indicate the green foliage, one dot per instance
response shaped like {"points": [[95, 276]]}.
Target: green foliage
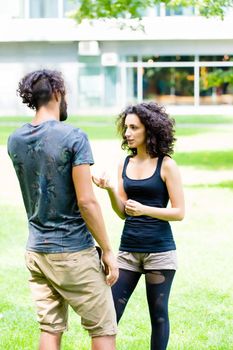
{"points": [[104, 9], [93, 9], [219, 76], [209, 8]]}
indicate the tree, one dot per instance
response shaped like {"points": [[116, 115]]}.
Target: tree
{"points": [[132, 9]]}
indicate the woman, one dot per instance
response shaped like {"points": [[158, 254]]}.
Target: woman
{"points": [[147, 180]]}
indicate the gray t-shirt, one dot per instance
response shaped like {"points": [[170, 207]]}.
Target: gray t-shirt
{"points": [[43, 157]]}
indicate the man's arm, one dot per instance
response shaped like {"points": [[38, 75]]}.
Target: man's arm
{"points": [[92, 215]]}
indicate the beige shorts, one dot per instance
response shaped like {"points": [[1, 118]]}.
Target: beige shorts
{"points": [[140, 262], [75, 279]]}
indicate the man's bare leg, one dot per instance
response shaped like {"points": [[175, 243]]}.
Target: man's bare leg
{"points": [[50, 341], [107, 342]]}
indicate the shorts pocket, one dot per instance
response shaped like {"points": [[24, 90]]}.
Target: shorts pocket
{"points": [[30, 262]]}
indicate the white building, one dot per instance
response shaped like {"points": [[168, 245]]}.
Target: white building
{"points": [[105, 67]]}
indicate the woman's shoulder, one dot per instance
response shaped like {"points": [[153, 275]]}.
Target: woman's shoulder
{"points": [[168, 163], [124, 160], [123, 163]]}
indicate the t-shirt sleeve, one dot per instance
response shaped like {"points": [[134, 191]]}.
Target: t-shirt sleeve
{"points": [[9, 145], [81, 149]]}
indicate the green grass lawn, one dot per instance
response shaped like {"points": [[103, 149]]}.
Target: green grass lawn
{"points": [[183, 119], [100, 131], [204, 119], [103, 127], [201, 302], [206, 159], [96, 127]]}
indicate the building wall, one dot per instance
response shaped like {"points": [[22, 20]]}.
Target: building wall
{"points": [[170, 47], [17, 59], [104, 77], [90, 85]]}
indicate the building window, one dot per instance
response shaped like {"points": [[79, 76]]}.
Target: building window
{"points": [[90, 83], [216, 85], [151, 11], [157, 58], [180, 11], [170, 86], [222, 58], [69, 6], [89, 60], [179, 80], [216, 79], [43, 8], [131, 58], [110, 84], [131, 85]]}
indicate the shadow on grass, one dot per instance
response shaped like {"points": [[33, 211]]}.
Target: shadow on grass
{"points": [[223, 184]]}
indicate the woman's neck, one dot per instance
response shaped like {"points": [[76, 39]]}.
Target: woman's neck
{"points": [[142, 153]]}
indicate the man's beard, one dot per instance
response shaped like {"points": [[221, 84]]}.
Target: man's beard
{"points": [[63, 110]]}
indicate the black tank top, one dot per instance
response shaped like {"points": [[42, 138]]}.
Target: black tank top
{"points": [[143, 233]]}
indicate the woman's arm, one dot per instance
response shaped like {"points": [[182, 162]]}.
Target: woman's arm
{"points": [[117, 199], [171, 176]]}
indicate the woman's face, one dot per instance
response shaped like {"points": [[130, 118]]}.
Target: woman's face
{"points": [[135, 131]]}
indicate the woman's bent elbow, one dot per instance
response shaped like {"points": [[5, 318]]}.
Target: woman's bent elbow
{"points": [[122, 216], [180, 216]]}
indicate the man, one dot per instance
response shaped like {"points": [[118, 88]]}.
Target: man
{"points": [[52, 162]]}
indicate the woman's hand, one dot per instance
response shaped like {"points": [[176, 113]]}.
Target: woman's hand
{"points": [[103, 181], [134, 208]]}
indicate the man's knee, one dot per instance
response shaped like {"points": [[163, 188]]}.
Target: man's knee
{"points": [[104, 342]]}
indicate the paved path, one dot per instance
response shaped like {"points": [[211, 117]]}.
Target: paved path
{"points": [[216, 139]]}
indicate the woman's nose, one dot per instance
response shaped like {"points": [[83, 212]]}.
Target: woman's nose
{"points": [[127, 132]]}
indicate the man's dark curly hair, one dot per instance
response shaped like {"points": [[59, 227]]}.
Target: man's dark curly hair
{"points": [[36, 88], [160, 128]]}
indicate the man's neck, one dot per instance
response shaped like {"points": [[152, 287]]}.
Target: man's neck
{"points": [[43, 115]]}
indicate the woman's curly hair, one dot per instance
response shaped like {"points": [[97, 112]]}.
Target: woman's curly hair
{"points": [[160, 128], [36, 88]]}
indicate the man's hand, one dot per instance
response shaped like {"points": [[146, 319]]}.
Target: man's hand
{"points": [[134, 208], [110, 267]]}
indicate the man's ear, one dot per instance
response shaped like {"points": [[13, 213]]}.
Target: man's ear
{"points": [[57, 95]]}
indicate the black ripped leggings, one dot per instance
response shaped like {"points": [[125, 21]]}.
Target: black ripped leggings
{"points": [[158, 285]]}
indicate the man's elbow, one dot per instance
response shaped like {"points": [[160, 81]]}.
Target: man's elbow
{"points": [[86, 203]]}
